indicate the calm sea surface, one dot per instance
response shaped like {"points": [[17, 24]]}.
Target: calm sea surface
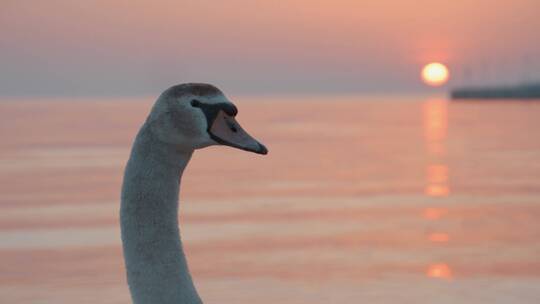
{"points": [[361, 200]]}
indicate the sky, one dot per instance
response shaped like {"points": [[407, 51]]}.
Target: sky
{"points": [[127, 48]]}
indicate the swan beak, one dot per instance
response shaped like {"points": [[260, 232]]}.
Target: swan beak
{"points": [[227, 131]]}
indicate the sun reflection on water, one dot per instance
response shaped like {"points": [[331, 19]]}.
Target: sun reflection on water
{"points": [[437, 186], [437, 190], [437, 173], [435, 132], [435, 119], [434, 213], [439, 271], [438, 237]]}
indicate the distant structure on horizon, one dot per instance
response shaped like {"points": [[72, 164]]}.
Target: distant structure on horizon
{"points": [[522, 91], [497, 77]]}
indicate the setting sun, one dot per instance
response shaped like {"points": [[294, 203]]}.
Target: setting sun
{"points": [[435, 74]]}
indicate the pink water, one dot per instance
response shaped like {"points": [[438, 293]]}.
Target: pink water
{"points": [[361, 200]]}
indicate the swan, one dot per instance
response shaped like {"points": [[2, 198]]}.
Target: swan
{"points": [[184, 118]]}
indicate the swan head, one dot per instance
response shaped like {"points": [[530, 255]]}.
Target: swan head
{"points": [[197, 115]]}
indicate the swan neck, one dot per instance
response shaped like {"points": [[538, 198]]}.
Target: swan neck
{"points": [[156, 265]]}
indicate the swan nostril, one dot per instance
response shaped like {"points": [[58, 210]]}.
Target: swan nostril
{"points": [[231, 125], [195, 103]]}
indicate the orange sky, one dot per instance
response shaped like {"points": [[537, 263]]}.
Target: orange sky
{"points": [[140, 47]]}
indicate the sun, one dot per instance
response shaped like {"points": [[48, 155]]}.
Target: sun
{"points": [[435, 74]]}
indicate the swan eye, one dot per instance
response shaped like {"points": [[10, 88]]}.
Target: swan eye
{"points": [[195, 103]]}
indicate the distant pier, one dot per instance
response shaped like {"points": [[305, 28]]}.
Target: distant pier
{"points": [[524, 91]]}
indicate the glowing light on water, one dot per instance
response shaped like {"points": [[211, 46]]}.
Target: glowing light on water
{"points": [[438, 237], [439, 271], [434, 213], [435, 132]]}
